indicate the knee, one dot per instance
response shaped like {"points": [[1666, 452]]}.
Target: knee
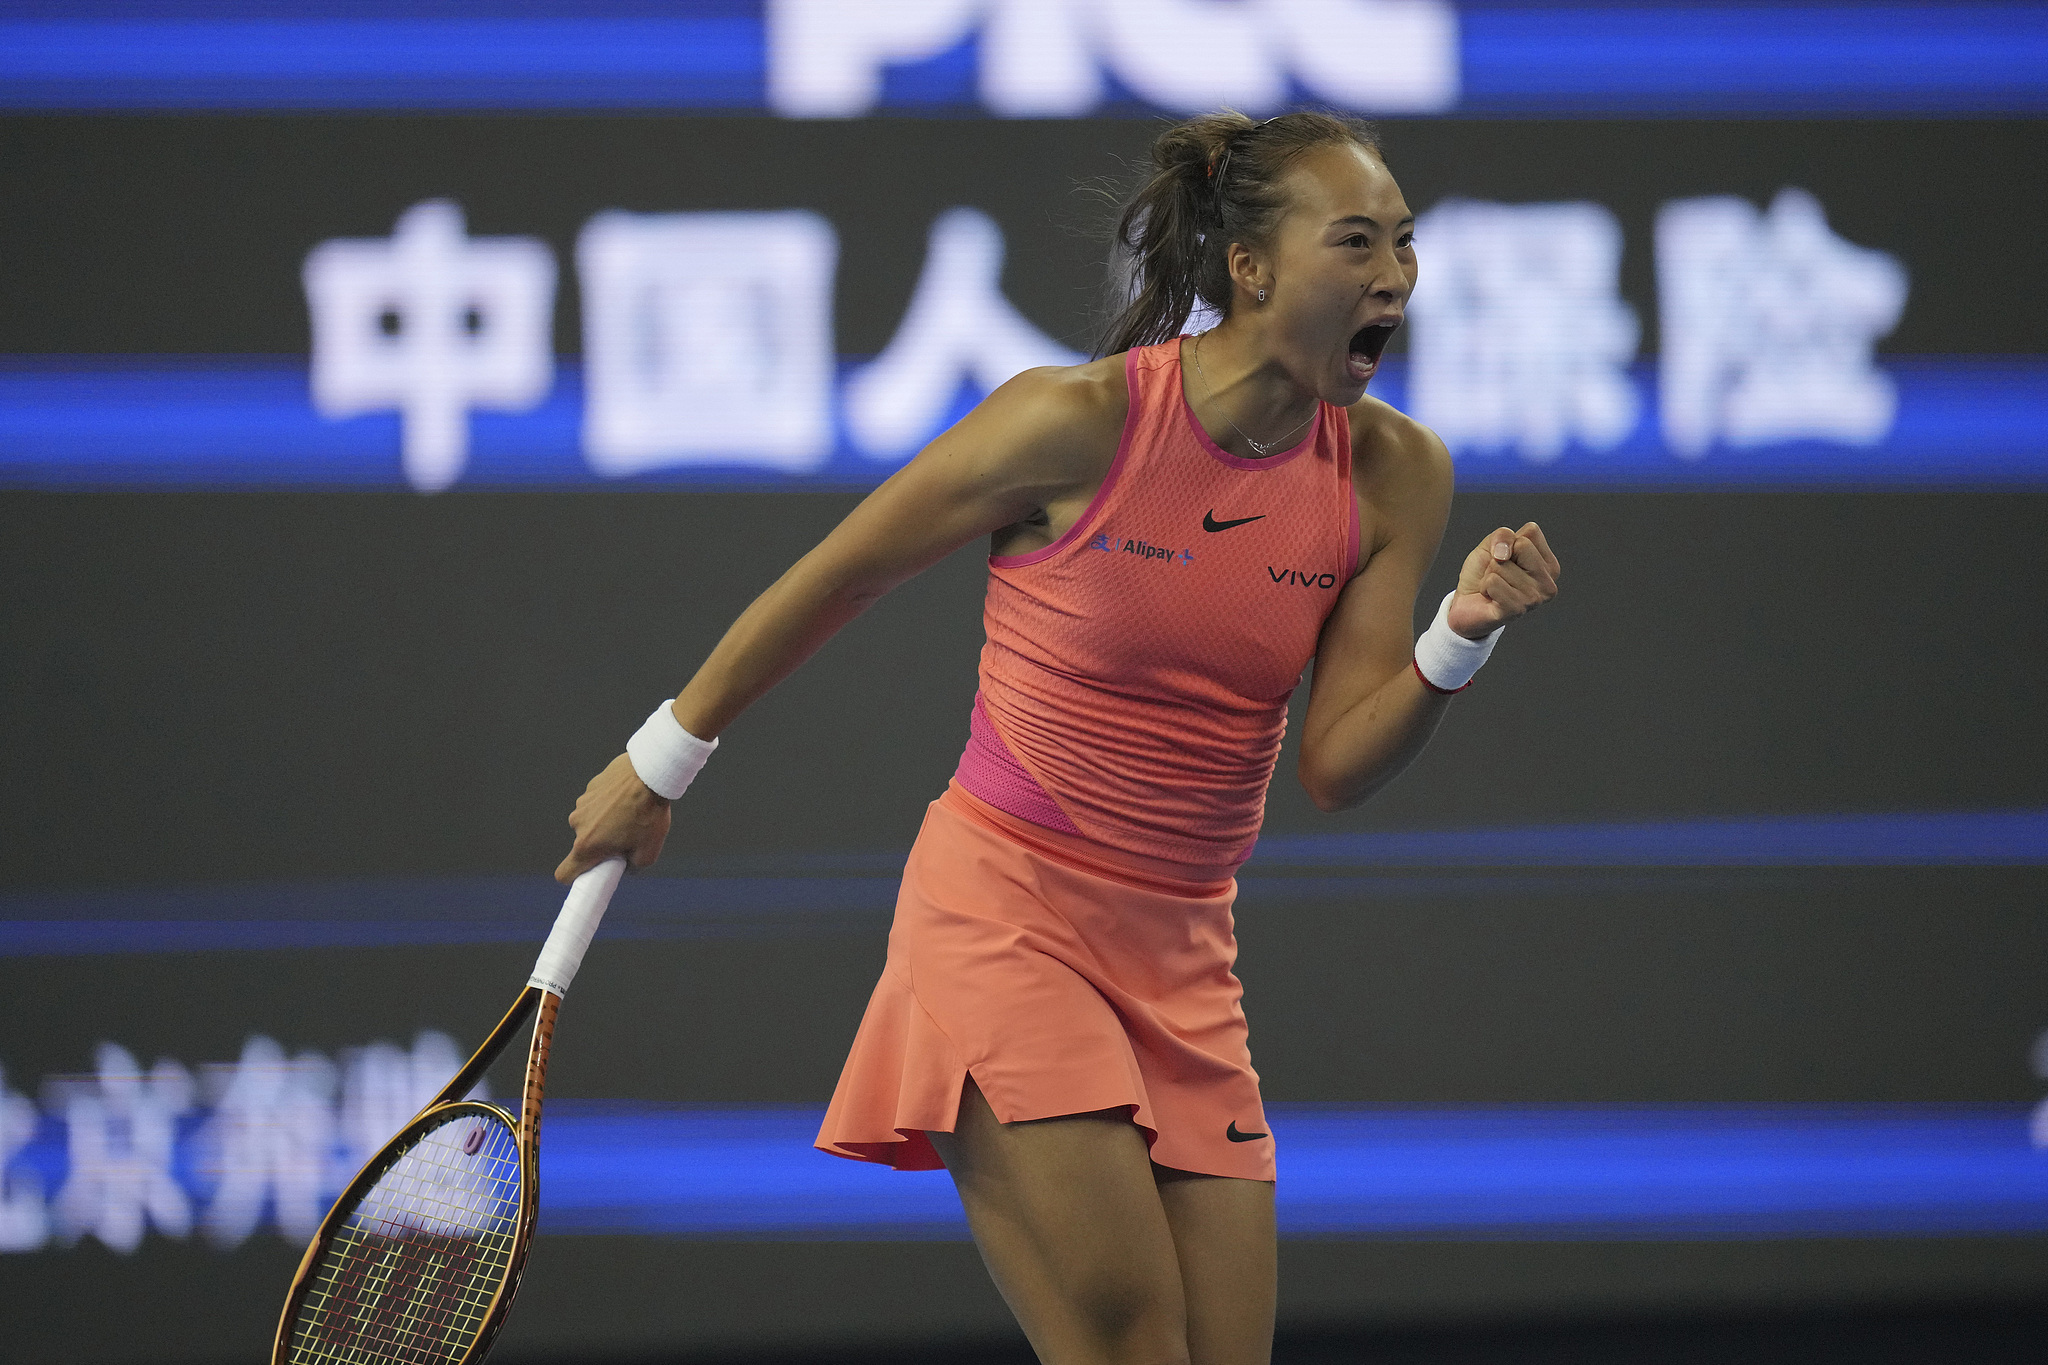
{"points": [[1134, 1321]]}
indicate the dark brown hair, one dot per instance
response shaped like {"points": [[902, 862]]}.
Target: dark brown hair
{"points": [[1215, 180]]}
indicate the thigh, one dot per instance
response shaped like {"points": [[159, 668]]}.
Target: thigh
{"points": [[1223, 1235], [1071, 1225]]}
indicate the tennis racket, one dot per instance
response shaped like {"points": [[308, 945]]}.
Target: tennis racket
{"points": [[418, 1261]]}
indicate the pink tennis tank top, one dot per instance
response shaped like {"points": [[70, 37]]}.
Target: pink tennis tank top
{"points": [[1135, 681]]}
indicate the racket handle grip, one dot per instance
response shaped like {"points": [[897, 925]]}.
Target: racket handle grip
{"points": [[563, 953]]}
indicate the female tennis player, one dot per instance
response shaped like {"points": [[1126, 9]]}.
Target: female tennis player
{"points": [[1178, 529]]}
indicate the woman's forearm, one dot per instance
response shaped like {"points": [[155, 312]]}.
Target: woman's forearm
{"points": [[1371, 742], [780, 629]]}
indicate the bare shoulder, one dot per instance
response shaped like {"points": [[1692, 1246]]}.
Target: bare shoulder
{"points": [[1394, 457], [1063, 419], [1402, 476]]}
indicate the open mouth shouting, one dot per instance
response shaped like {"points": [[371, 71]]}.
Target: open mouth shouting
{"points": [[1366, 344]]}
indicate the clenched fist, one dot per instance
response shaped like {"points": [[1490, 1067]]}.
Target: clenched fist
{"points": [[1509, 574]]}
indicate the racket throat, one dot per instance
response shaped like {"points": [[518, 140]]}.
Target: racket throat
{"points": [[500, 1038]]}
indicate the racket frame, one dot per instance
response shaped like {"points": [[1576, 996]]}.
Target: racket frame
{"points": [[535, 1004]]}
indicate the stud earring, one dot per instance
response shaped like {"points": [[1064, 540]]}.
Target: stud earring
{"points": [[1262, 296]]}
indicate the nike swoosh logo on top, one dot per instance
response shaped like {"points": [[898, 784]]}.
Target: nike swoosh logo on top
{"points": [[1209, 523], [1231, 1132]]}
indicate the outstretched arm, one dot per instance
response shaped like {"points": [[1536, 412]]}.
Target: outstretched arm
{"points": [[1369, 712], [1026, 446]]}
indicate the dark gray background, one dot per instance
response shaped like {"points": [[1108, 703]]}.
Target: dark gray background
{"points": [[205, 687], [225, 688], [234, 688]]}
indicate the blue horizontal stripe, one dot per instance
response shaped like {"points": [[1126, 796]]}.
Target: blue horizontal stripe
{"points": [[1951, 839], [1533, 1171], [1963, 421], [818, 894], [1346, 1171], [1754, 59], [1644, 59], [248, 422], [429, 910], [332, 63]]}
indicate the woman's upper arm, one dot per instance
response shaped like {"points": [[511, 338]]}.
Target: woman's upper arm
{"points": [[1031, 439], [1404, 481]]}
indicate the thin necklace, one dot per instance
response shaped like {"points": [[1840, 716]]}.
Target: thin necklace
{"points": [[1263, 447]]}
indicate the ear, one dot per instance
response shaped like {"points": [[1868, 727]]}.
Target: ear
{"points": [[1248, 273]]}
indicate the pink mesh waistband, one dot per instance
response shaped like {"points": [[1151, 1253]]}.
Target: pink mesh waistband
{"points": [[991, 772]]}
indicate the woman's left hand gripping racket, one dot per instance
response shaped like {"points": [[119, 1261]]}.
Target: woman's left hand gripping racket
{"points": [[418, 1261]]}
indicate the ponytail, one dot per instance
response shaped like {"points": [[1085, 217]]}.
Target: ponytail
{"points": [[1215, 181]]}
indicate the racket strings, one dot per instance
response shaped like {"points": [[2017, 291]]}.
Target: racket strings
{"points": [[410, 1274]]}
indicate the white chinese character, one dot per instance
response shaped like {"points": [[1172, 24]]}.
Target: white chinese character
{"points": [[1045, 58], [958, 327], [432, 323], [24, 1220], [1768, 324], [707, 337], [383, 1086], [1521, 338], [123, 1129], [270, 1141]]}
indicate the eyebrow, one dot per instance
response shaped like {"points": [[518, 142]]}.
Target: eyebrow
{"points": [[1361, 218]]}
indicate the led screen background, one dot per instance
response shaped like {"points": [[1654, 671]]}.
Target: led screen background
{"points": [[89, 401], [1715, 908]]}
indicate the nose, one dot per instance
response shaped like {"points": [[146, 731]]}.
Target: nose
{"points": [[1388, 280]]}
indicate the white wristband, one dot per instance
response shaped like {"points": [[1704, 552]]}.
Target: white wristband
{"points": [[665, 755], [1447, 660]]}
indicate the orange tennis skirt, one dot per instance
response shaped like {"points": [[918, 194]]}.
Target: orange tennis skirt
{"points": [[1062, 985]]}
